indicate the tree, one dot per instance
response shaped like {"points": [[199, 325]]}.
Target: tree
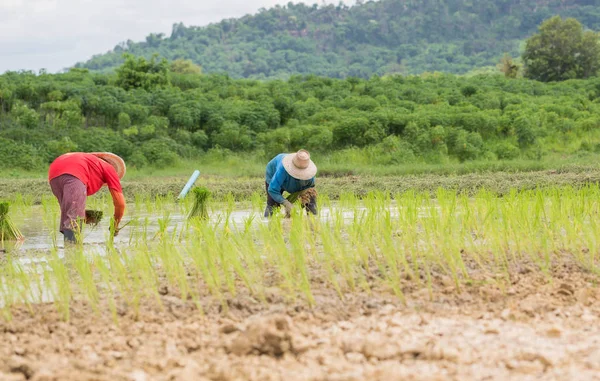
{"points": [[374, 38], [182, 66], [561, 50], [508, 67], [140, 73]]}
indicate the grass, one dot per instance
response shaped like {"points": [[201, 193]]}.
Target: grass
{"points": [[222, 163], [245, 188], [393, 240], [348, 171]]}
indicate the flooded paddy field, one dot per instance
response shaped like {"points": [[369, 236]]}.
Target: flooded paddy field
{"points": [[403, 287]]}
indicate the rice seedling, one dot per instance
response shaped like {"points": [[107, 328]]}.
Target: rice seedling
{"points": [[62, 286], [407, 240], [84, 270], [93, 217], [200, 196], [258, 202], [8, 231]]}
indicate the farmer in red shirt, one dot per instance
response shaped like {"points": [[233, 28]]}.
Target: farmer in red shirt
{"points": [[74, 176]]}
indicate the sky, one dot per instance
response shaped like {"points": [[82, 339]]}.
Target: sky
{"points": [[56, 34]]}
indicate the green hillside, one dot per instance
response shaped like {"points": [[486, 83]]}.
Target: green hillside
{"points": [[376, 37]]}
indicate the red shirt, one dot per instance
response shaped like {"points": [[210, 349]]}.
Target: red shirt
{"points": [[91, 170]]}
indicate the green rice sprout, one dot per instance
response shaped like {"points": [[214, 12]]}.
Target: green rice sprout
{"points": [[8, 231], [364, 242], [201, 196]]}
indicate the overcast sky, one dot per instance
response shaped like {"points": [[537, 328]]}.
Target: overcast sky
{"points": [[56, 34]]}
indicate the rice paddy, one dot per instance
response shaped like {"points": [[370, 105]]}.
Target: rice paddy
{"points": [[408, 238], [382, 248]]}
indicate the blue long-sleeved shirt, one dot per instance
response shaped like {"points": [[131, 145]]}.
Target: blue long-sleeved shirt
{"points": [[278, 180]]}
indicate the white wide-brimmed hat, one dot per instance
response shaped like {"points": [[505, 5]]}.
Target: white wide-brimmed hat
{"points": [[114, 160], [299, 166]]}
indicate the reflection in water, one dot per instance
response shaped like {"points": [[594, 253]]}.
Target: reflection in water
{"points": [[41, 234]]}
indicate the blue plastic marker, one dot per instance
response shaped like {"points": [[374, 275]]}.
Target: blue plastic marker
{"points": [[189, 184]]}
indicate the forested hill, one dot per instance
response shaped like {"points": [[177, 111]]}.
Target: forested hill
{"points": [[376, 37]]}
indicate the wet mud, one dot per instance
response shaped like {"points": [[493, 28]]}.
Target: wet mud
{"points": [[527, 326]]}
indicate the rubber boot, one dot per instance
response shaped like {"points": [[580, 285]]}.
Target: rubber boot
{"points": [[70, 238]]}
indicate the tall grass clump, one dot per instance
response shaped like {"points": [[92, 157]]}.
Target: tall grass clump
{"points": [[201, 196], [8, 231]]}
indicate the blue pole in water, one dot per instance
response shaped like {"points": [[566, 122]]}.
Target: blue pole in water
{"points": [[189, 184]]}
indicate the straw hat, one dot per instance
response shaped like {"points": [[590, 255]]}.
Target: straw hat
{"points": [[299, 166], [114, 160]]}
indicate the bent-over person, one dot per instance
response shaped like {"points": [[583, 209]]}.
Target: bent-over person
{"points": [[295, 174], [74, 176]]}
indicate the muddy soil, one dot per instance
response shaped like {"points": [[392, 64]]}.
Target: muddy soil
{"points": [[533, 326]]}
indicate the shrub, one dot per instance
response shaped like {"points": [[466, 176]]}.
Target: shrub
{"points": [[200, 139], [233, 136], [55, 148], [160, 152], [468, 90], [20, 155], [137, 159], [506, 151], [524, 130]]}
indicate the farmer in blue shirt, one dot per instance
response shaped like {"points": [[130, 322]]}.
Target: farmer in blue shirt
{"points": [[291, 173]]}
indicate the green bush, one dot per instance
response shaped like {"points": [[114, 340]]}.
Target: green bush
{"points": [[20, 155], [393, 150], [137, 159], [55, 148], [468, 90], [233, 136], [200, 139], [160, 152], [395, 119], [506, 151], [26, 117], [182, 137]]}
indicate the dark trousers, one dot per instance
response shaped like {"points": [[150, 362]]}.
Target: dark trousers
{"points": [[310, 207]]}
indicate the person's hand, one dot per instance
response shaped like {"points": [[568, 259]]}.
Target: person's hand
{"points": [[115, 225], [288, 208]]}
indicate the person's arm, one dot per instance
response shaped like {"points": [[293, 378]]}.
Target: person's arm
{"points": [[119, 203], [116, 191], [276, 184]]}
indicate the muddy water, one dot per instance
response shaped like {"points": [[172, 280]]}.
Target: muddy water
{"points": [[41, 229], [41, 234]]}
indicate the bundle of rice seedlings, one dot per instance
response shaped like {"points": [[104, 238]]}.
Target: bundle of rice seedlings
{"points": [[199, 209], [304, 196], [93, 217], [8, 231]]}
